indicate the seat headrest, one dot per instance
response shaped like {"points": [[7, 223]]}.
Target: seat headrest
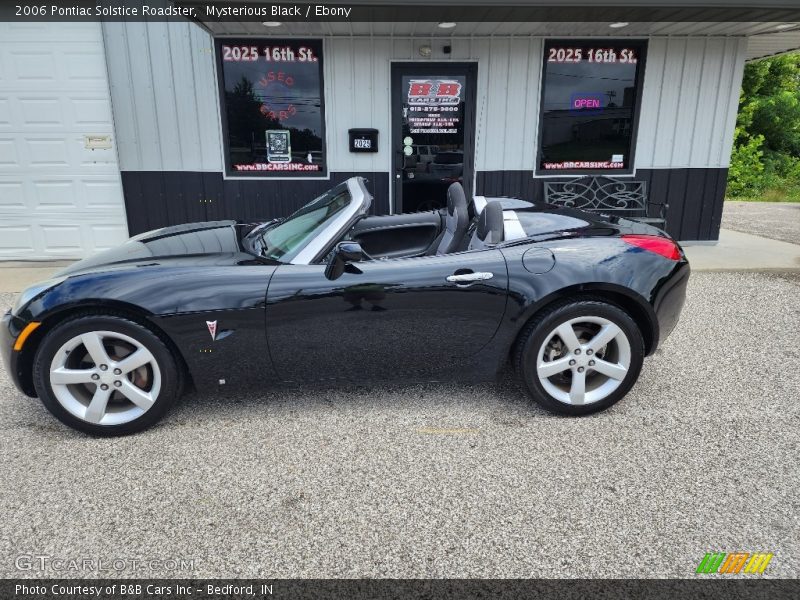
{"points": [[456, 198], [490, 223], [479, 203]]}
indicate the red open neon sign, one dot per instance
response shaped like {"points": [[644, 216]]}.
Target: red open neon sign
{"points": [[583, 102]]}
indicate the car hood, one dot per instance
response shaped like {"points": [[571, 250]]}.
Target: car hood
{"points": [[211, 241]]}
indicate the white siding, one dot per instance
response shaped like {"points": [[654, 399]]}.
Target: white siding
{"points": [[358, 89], [166, 105], [689, 102], [167, 108], [58, 199]]}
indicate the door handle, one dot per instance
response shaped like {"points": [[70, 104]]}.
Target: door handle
{"points": [[469, 277]]}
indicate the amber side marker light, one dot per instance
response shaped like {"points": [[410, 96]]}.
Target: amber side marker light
{"points": [[29, 329], [653, 243]]}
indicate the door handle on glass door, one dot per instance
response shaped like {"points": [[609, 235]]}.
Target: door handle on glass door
{"points": [[469, 277]]}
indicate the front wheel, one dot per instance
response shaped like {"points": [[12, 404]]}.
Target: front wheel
{"points": [[580, 357], [105, 375]]}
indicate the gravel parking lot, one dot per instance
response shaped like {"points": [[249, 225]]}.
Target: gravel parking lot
{"points": [[776, 220], [443, 480]]}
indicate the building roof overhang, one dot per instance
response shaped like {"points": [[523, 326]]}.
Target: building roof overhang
{"points": [[772, 26]]}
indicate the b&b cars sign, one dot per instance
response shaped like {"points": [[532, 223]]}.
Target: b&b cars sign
{"points": [[434, 91], [433, 106]]}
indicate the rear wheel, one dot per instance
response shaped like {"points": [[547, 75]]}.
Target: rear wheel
{"points": [[580, 357], [106, 375]]}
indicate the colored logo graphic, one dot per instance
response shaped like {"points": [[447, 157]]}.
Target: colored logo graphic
{"points": [[734, 563], [434, 91]]}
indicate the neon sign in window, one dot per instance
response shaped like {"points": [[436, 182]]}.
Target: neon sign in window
{"points": [[590, 97], [586, 102]]}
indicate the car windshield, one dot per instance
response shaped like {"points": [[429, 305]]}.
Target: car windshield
{"points": [[282, 240]]}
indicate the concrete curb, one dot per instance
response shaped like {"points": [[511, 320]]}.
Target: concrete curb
{"points": [[738, 251]]}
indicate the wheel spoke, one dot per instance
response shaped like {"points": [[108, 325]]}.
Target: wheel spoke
{"points": [[615, 371], [577, 392], [64, 376], [548, 369], [567, 335], [94, 346], [605, 335], [136, 359], [97, 407], [136, 395]]}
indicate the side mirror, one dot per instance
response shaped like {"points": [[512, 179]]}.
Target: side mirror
{"points": [[343, 254]]}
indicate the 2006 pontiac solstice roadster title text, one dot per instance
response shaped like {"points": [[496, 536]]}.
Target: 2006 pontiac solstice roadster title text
{"points": [[574, 301]]}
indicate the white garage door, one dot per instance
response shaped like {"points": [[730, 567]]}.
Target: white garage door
{"points": [[58, 199]]}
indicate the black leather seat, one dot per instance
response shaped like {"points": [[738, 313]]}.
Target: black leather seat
{"points": [[456, 220], [490, 228]]}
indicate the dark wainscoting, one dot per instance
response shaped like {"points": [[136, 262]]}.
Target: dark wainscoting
{"points": [[695, 196], [156, 199]]}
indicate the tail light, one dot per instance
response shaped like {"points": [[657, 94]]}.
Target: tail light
{"points": [[653, 243]]}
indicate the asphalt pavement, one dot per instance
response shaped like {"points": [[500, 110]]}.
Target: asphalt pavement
{"points": [[440, 480]]}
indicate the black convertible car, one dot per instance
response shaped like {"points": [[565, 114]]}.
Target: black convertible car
{"points": [[574, 301]]}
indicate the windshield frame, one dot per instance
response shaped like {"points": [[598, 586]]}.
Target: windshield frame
{"points": [[335, 228]]}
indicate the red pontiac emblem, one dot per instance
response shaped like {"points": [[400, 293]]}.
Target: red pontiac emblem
{"points": [[434, 91]]}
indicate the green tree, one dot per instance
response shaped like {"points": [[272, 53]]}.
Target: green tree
{"points": [[766, 153], [246, 122]]}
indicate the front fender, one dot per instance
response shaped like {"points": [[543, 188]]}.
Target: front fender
{"points": [[177, 302]]}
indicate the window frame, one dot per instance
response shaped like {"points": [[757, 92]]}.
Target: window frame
{"points": [[229, 171], [641, 45]]}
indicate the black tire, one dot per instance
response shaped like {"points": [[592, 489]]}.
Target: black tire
{"points": [[536, 334], [171, 376]]}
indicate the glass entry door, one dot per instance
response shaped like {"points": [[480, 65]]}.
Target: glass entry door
{"points": [[433, 132]]}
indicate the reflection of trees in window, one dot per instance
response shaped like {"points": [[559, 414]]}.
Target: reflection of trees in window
{"points": [[245, 120], [247, 125]]}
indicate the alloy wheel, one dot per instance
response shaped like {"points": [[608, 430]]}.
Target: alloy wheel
{"points": [[583, 360], [105, 378]]}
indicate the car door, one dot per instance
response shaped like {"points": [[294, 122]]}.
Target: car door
{"points": [[384, 318]]}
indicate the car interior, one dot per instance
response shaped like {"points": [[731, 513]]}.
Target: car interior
{"points": [[454, 228]]}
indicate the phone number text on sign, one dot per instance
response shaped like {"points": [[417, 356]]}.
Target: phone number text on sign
{"points": [[270, 53], [592, 55]]}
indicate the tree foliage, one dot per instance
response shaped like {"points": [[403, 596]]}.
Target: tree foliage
{"points": [[766, 153]]}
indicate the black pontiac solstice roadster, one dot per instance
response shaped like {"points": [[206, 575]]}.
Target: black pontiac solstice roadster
{"points": [[574, 301]]}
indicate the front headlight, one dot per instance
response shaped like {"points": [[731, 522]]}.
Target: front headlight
{"points": [[25, 297]]}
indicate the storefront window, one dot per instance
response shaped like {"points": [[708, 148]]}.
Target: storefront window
{"points": [[589, 105], [272, 107]]}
